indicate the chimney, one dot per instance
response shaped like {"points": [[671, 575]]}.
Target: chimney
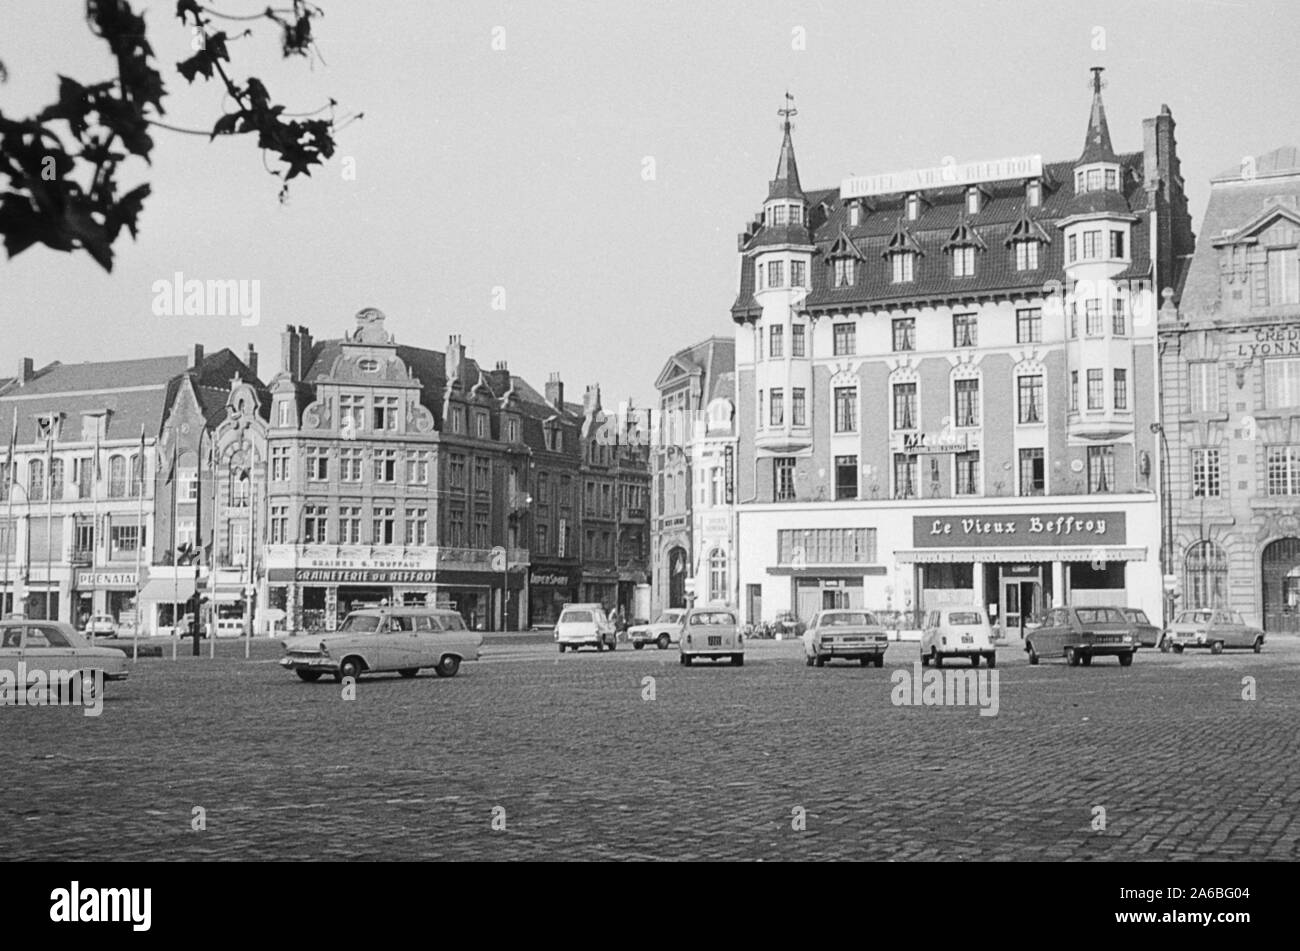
{"points": [[1164, 183], [289, 351], [591, 400], [500, 377], [196, 359], [555, 391], [250, 360], [304, 350], [26, 370], [455, 356]]}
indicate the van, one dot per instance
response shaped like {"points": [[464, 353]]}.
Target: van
{"points": [[584, 625], [713, 633]]}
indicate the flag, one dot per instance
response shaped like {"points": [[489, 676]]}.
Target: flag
{"points": [[171, 473], [140, 484], [99, 474], [10, 469]]}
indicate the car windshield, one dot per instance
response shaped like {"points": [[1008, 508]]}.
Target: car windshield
{"points": [[669, 617], [360, 624], [452, 622], [1195, 617], [1139, 616], [965, 618], [848, 619], [1099, 616], [46, 636], [576, 617]]}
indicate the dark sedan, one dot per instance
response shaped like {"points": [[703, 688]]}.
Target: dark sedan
{"points": [[1082, 633]]}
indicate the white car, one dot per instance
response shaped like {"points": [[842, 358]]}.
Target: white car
{"points": [[663, 633], [957, 632], [584, 625]]}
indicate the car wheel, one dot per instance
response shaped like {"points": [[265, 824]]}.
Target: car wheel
{"points": [[864, 661], [1259, 644], [1126, 660], [820, 661], [1164, 645], [686, 660], [737, 660], [637, 645], [600, 645], [1086, 659], [409, 672], [1033, 655], [311, 676], [1216, 647], [1071, 657], [925, 659], [561, 648], [663, 641], [880, 660], [974, 660], [448, 666], [1178, 648], [991, 659], [808, 661], [612, 644], [351, 667]]}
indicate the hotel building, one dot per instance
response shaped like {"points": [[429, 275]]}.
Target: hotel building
{"points": [[946, 383]]}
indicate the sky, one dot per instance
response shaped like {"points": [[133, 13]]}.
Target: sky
{"points": [[562, 184]]}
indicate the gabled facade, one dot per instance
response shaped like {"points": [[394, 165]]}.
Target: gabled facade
{"points": [[1230, 361], [946, 349]]}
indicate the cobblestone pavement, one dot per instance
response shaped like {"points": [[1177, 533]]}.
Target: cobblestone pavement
{"points": [[725, 762]]}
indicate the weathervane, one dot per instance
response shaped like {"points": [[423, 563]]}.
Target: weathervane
{"points": [[1097, 83], [788, 111]]}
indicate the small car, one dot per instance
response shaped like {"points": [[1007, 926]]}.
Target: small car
{"points": [[664, 632], [850, 634], [1147, 634], [585, 625], [1081, 633], [100, 625], [1214, 628], [58, 649], [375, 640], [957, 632], [713, 633]]}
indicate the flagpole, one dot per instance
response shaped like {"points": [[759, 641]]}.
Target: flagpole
{"points": [[49, 522], [11, 537], [94, 525], [176, 568], [139, 544]]}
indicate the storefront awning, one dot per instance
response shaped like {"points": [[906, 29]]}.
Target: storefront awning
{"points": [[225, 594], [166, 590], [945, 556], [827, 571]]}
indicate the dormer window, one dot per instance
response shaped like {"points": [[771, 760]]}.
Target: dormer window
{"points": [[855, 215], [913, 206], [796, 214], [1034, 193], [1026, 255], [972, 201], [902, 252], [963, 262], [1023, 243], [843, 268], [1096, 178], [962, 245]]}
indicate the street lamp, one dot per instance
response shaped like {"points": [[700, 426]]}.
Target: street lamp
{"points": [[1166, 521], [9, 521]]}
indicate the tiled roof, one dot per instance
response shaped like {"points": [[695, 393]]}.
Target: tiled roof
{"points": [[786, 182], [995, 271], [107, 375], [714, 357], [1096, 145], [1284, 160], [1235, 202]]}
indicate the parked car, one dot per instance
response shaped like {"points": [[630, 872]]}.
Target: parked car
{"points": [[852, 635], [664, 632], [713, 633], [584, 625], [957, 632], [1146, 633], [100, 625], [57, 648], [788, 626], [376, 640], [1080, 634], [1214, 628]]}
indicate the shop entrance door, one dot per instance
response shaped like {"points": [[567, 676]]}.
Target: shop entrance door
{"points": [[1021, 600]]}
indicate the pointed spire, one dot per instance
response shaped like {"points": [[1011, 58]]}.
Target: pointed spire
{"points": [[786, 182], [1096, 146]]}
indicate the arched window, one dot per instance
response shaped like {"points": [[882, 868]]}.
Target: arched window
{"points": [[117, 477], [717, 575], [36, 480], [239, 488], [1205, 571], [137, 475]]}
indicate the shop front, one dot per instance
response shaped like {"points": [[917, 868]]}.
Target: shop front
{"points": [[103, 591], [550, 588]]}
